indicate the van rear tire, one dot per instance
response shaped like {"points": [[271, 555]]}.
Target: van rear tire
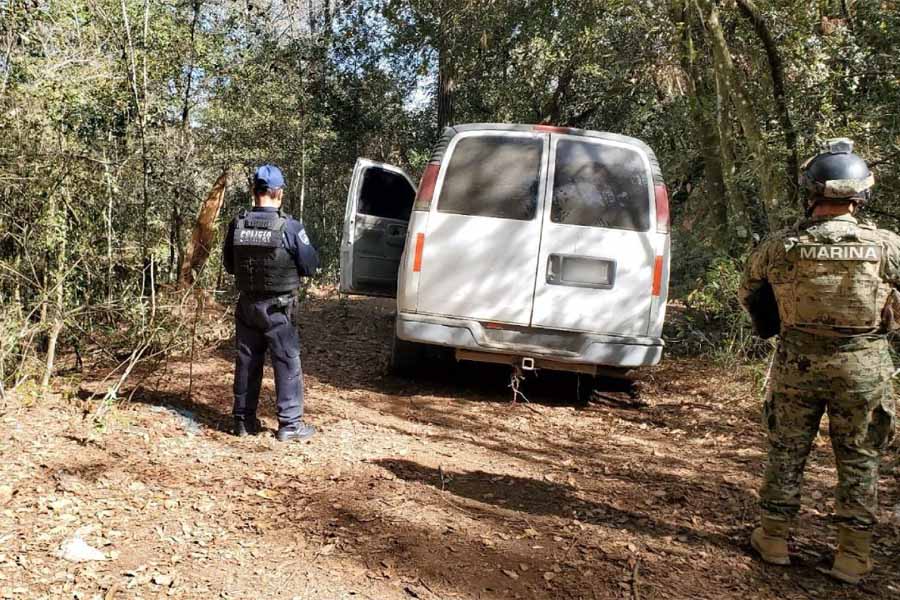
{"points": [[405, 356]]}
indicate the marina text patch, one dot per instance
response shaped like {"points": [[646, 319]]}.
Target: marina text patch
{"points": [[859, 252]]}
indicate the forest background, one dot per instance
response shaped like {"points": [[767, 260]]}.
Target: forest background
{"points": [[117, 117]]}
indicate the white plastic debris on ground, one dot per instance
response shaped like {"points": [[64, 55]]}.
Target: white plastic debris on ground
{"points": [[75, 549]]}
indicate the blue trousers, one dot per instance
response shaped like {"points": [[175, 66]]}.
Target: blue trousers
{"points": [[265, 322]]}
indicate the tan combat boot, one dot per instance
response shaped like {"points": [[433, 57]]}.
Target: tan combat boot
{"points": [[770, 540], [852, 561]]}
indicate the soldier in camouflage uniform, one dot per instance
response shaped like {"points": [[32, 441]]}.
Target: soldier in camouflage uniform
{"points": [[835, 282]]}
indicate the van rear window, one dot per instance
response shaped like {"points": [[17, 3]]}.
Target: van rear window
{"points": [[493, 176], [598, 185], [386, 194]]}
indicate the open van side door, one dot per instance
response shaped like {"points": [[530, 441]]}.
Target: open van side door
{"points": [[377, 214]]}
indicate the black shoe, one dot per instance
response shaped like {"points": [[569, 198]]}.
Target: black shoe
{"points": [[295, 433], [244, 428]]}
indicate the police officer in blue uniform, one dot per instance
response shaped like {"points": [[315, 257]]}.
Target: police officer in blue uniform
{"points": [[268, 252]]}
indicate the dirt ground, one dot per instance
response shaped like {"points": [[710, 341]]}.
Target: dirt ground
{"points": [[433, 487]]}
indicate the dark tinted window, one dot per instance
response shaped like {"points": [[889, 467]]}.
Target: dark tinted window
{"points": [[385, 194], [600, 186], [493, 176]]}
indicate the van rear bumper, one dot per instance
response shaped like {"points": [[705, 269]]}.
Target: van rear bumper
{"points": [[559, 346]]}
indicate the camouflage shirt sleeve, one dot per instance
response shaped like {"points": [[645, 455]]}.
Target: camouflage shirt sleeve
{"points": [[892, 264], [756, 272]]}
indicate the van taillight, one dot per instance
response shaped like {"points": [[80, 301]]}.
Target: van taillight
{"points": [[426, 186], [417, 256], [657, 276], [662, 209]]}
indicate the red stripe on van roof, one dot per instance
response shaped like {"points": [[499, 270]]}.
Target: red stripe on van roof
{"points": [[553, 129]]}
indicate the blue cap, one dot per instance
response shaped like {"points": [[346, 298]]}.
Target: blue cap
{"points": [[267, 177]]}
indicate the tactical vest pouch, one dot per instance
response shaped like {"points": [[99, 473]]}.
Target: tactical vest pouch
{"points": [[836, 287]]}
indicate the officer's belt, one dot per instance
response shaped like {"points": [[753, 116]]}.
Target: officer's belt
{"points": [[286, 297]]}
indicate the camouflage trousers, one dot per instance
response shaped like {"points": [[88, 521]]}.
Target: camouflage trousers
{"points": [[850, 379]]}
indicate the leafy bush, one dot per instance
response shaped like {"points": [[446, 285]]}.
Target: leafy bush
{"points": [[710, 321]]}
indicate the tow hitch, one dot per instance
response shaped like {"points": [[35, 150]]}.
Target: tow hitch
{"points": [[515, 380]]}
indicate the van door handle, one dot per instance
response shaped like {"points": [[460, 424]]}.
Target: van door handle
{"points": [[396, 235], [553, 268]]}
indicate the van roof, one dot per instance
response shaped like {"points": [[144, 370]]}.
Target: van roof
{"points": [[452, 131]]}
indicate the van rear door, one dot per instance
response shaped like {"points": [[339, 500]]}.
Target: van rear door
{"points": [[598, 249], [379, 203], [479, 252]]}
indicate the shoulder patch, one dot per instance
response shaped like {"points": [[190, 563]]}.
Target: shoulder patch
{"points": [[304, 239]]}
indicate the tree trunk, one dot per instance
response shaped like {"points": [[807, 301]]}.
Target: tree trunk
{"points": [[186, 104], [446, 87], [139, 107], [17, 301], [176, 251], [712, 119], [735, 204], [58, 291], [551, 111], [110, 202], [204, 234], [776, 70], [302, 176], [55, 330], [701, 95], [769, 190], [446, 83]]}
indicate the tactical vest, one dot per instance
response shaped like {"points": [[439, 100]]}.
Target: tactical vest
{"points": [[831, 280], [261, 262]]}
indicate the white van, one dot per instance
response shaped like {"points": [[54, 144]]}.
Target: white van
{"points": [[536, 246]]}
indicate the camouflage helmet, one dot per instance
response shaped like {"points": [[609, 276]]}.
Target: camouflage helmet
{"points": [[837, 173]]}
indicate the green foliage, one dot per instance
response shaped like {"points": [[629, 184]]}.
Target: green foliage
{"points": [[716, 292], [712, 322], [114, 125]]}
